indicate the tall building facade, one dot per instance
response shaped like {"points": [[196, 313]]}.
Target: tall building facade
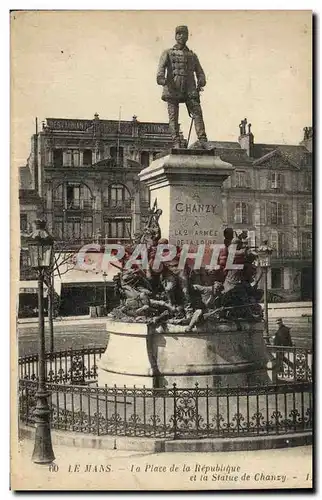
{"points": [[86, 174], [270, 195], [82, 176]]}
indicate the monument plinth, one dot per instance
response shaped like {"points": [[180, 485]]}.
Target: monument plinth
{"points": [[214, 355], [187, 186]]}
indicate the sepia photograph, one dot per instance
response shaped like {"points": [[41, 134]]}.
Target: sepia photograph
{"points": [[161, 250]]}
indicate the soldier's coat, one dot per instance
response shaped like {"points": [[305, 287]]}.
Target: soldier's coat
{"points": [[176, 71]]}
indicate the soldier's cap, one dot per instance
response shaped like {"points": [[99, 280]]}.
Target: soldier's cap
{"points": [[279, 320], [182, 28]]}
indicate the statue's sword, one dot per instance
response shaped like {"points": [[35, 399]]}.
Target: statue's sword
{"points": [[199, 89]]}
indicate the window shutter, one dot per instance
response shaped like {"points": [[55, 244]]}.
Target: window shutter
{"points": [[248, 179], [268, 213], [281, 242], [231, 212], [269, 180], [263, 217], [302, 214], [252, 238], [289, 213], [250, 214], [285, 214], [274, 240]]}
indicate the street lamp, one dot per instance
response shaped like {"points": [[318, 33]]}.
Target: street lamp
{"points": [[105, 298], [40, 245], [264, 261]]}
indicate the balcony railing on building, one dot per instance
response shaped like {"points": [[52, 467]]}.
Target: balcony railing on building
{"points": [[76, 243], [74, 204], [119, 205], [284, 255]]}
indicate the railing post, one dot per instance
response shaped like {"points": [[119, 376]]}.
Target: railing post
{"points": [[274, 370], [174, 411], [197, 407]]}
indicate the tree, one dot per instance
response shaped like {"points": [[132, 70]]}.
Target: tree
{"points": [[64, 261]]}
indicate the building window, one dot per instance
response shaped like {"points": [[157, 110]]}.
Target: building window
{"points": [[145, 194], [76, 158], [58, 157], [117, 195], [59, 196], [118, 228], [23, 222], [73, 196], [277, 242], [240, 179], [308, 181], [73, 229], [308, 214], [78, 196], [276, 180], [24, 259], [145, 158], [59, 228], [86, 197], [307, 244], [88, 227], [241, 213], [117, 153], [277, 277], [67, 161], [87, 157], [252, 239], [276, 213]]}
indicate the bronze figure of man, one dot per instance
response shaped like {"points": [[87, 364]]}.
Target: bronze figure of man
{"points": [[178, 70]]}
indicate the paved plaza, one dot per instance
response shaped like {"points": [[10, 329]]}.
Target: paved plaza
{"points": [[117, 469], [91, 332]]}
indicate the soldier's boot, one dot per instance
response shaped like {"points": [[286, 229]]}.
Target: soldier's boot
{"points": [[173, 111], [196, 113]]}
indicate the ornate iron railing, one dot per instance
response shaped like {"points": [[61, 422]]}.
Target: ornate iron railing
{"points": [[79, 405], [64, 367], [174, 413], [287, 364]]}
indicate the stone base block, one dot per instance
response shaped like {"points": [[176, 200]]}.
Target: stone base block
{"points": [[216, 354]]}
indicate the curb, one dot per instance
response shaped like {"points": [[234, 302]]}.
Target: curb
{"points": [[172, 446]]}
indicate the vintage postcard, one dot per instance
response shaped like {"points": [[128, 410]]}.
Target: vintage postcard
{"points": [[161, 221]]}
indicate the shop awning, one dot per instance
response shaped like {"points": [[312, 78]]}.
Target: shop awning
{"points": [[68, 271], [30, 287], [91, 272]]}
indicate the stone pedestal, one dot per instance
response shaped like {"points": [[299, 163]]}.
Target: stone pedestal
{"points": [[187, 185], [216, 354]]}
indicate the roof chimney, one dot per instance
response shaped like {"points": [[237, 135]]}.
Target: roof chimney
{"points": [[246, 138], [308, 138]]}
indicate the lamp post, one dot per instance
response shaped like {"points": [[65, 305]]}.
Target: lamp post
{"points": [[105, 297], [40, 246], [264, 261]]}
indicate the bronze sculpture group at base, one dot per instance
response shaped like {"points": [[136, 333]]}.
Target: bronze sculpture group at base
{"points": [[188, 297]]}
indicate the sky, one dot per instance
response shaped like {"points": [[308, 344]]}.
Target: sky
{"points": [[75, 63]]}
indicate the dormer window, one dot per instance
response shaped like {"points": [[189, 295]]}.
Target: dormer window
{"points": [[276, 180]]}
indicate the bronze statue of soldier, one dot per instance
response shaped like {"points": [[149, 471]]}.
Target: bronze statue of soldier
{"points": [[178, 70]]}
